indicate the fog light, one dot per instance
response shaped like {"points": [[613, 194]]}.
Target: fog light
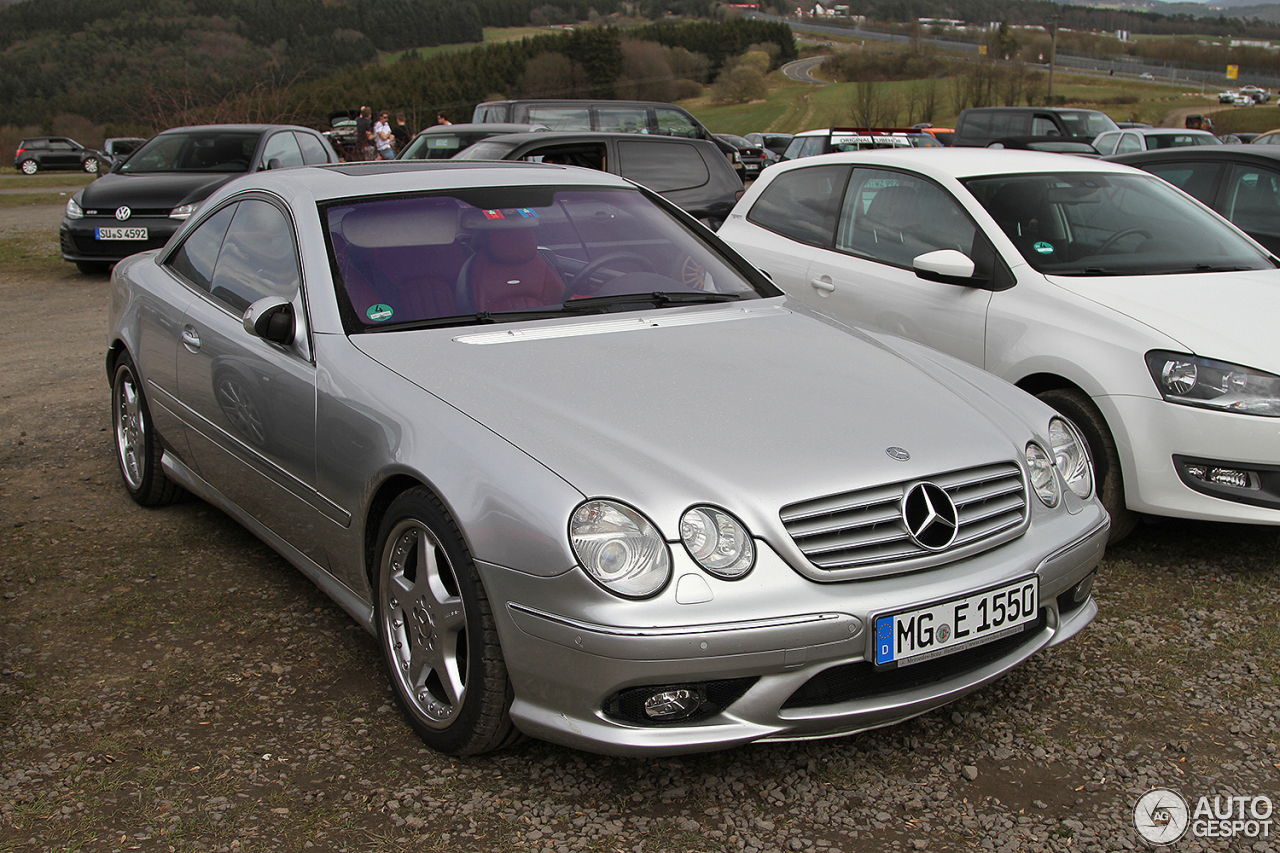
{"points": [[1080, 592], [675, 704], [1233, 477]]}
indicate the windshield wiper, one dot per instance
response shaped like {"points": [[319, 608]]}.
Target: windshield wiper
{"points": [[481, 318], [1099, 271], [656, 298]]}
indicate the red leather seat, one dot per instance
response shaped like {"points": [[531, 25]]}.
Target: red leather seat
{"points": [[508, 274]]}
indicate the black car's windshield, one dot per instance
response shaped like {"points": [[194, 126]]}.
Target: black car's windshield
{"points": [[440, 146], [489, 149], [195, 151], [509, 254], [1076, 223]]}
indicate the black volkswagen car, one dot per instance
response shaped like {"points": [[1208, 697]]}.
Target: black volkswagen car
{"points": [[143, 200], [1241, 182]]}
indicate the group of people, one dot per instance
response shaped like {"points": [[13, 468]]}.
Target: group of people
{"points": [[380, 140]]}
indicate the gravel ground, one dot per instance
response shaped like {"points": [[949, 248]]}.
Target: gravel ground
{"points": [[169, 683]]}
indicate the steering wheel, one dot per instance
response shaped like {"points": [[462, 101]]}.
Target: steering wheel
{"points": [[1118, 236], [582, 279]]}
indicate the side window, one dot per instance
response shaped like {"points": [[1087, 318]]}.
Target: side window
{"points": [[1042, 126], [1253, 199], [561, 118], [257, 258], [313, 150], [813, 146], [662, 168], [195, 258], [586, 155], [59, 145], [282, 148], [675, 123], [977, 124], [1106, 143], [893, 217], [802, 204], [793, 149], [1129, 143], [623, 119], [1197, 179]]}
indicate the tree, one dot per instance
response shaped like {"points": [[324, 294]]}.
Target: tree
{"points": [[739, 86], [552, 75]]}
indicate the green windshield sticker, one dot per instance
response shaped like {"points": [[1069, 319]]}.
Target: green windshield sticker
{"points": [[378, 313], [1043, 248]]}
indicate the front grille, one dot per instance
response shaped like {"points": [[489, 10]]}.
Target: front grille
{"points": [[865, 527], [852, 681]]}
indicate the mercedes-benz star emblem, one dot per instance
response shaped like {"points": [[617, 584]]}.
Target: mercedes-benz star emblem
{"points": [[930, 516], [898, 453], [123, 213]]}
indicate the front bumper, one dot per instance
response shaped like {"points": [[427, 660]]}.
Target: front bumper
{"points": [[79, 243], [788, 657], [1159, 431]]}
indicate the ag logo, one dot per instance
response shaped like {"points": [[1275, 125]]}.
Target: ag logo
{"points": [[1161, 816], [123, 212]]}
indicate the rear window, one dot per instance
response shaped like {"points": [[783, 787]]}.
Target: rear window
{"points": [[802, 204], [663, 168]]}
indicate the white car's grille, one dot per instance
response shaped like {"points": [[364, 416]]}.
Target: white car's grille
{"points": [[867, 527]]}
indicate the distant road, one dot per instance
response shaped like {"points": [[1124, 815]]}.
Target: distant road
{"points": [[801, 68]]}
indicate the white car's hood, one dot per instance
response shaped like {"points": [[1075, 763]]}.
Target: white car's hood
{"points": [[1229, 316], [726, 404]]}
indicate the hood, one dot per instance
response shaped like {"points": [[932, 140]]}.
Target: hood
{"points": [[745, 407], [155, 191], [1230, 316]]}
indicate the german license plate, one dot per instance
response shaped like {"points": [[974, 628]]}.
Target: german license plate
{"points": [[120, 233], [951, 626]]}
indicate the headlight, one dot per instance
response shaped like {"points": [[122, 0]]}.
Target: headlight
{"points": [[184, 211], [1043, 479], [620, 549], [1071, 456], [73, 210], [1193, 381], [718, 542]]}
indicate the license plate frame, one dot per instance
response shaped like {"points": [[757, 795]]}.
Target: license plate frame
{"points": [[127, 232], [966, 621]]}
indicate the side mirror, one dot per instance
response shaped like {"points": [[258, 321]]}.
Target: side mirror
{"points": [[270, 318], [946, 266]]}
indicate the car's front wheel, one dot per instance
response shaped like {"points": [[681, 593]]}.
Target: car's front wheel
{"points": [[28, 167], [437, 631], [91, 165], [138, 446], [1076, 407]]}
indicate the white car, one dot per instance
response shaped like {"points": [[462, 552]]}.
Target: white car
{"points": [[1137, 312]]}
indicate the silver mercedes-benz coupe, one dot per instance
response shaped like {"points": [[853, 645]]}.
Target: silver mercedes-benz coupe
{"points": [[584, 472]]}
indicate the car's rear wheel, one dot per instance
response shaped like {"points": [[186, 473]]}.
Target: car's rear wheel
{"points": [[28, 167], [1076, 407], [138, 446], [437, 632], [91, 165]]}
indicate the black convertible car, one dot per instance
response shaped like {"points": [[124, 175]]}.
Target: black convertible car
{"points": [[143, 200]]}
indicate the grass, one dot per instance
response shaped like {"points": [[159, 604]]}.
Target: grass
{"points": [[12, 179], [27, 255]]}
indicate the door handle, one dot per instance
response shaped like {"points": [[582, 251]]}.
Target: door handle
{"points": [[190, 338], [823, 284]]}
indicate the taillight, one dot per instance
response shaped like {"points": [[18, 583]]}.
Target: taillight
{"points": [[18, 153]]}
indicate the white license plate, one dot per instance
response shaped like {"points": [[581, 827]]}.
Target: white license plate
{"points": [[951, 626], [120, 233]]}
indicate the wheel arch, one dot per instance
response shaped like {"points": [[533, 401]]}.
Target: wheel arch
{"points": [[388, 490]]}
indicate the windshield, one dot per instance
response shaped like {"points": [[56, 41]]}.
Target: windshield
{"points": [[487, 150], [441, 146], [195, 151], [1086, 123], [1077, 223], [506, 254]]}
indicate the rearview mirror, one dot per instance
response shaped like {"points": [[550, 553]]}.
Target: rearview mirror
{"points": [[270, 318], [945, 265]]}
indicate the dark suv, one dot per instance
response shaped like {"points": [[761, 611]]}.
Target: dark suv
{"points": [[690, 173], [978, 127], [40, 153]]}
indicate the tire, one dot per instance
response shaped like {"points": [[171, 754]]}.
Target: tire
{"points": [[437, 632], [92, 267], [1076, 407], [91, 165], [138, 446], [29, 167]]}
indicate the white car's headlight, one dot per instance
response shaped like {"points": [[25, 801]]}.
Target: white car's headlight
{"points": [[1071, 455], [1043, 479], [73, 210], [184, 211], [1193, 381], [620, 549], [718, 542]]}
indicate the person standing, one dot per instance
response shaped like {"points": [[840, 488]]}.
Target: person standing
{"points": [[364, 135], [382, 137], [401, 132], [442, 118]]}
